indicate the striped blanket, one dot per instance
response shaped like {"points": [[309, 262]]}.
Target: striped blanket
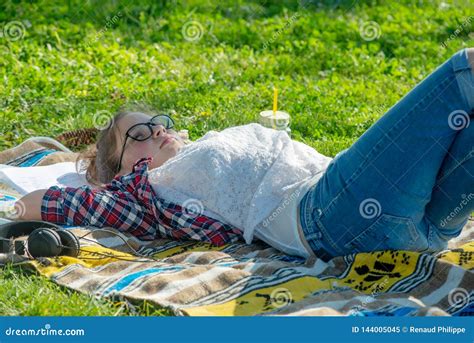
{"points": [[196, 279]]}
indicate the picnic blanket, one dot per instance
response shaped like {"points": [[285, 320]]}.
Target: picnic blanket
{"points": [[197, 279]]}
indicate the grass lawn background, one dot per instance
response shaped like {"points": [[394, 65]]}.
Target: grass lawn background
{"points": [[211, 65]]}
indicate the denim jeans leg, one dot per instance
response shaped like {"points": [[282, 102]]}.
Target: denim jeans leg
{"points": [[452, 200], [373, 196]]}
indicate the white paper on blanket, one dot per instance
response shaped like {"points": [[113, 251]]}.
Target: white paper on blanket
{"points": [[29, 179]]}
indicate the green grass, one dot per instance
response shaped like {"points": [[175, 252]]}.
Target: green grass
{"points": [[24, 293], [76, 61]]}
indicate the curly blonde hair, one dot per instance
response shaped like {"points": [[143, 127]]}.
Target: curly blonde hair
{"points": [[100, 160]]}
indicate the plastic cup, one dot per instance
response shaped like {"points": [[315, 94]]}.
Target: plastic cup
{"points": [[279, 121]]}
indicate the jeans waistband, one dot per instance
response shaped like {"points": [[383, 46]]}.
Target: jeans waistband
{"points": [[460, 60], [311, 231]]}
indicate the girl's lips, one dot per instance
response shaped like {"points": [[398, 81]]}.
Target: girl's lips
{"points": [[166, 141]]}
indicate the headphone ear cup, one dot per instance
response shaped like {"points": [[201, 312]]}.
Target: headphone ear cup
{"points": [[70, 242], [44, 242]]}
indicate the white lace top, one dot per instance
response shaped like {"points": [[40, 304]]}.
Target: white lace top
{"points": [[239, 175]]}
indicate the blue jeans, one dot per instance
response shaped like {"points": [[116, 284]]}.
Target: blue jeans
{"points": [[407, 183]]}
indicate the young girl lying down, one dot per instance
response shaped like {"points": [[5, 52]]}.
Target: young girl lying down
{"points": [[407, 183]]}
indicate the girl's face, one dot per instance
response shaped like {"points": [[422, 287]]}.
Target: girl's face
{"points": [[162, 145]]}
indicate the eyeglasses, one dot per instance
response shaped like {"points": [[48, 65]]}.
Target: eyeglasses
{"points": [[142, 131]]}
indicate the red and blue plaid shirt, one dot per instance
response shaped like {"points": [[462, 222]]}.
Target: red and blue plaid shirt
{"points": [[129, 203]]}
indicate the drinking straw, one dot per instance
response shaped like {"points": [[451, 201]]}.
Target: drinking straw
{"points": [[275, 104]]}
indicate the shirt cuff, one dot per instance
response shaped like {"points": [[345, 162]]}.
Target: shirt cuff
{"points": [[52, 206]]}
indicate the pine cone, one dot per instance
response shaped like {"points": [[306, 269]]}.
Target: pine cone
{"points": [[77, 138]]}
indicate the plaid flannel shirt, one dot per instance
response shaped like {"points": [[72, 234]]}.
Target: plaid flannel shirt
{"points": [[129, 203]]}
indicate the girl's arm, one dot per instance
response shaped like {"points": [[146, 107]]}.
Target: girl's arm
{"points": [[29, 206], [124, 204], [128, 204]]}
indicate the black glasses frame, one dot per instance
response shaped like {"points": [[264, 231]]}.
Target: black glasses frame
{"points": [[149, 125]]}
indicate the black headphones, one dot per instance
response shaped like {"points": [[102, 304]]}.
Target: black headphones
{"points": [[44, 239]]}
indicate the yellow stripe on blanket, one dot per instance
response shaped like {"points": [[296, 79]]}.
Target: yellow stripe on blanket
{"points": [[462, 256], [188, 247], [378, 271], [263, 299], [369, 273], [89, 257]]}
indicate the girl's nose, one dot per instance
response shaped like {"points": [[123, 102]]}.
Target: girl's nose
{"points": [[158, 130]]}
